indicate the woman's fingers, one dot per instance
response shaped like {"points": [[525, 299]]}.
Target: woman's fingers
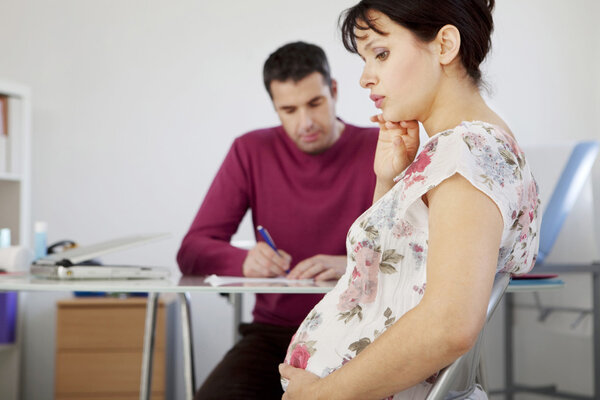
{"points": [[412, 128], [378, 119], [410, 124], [393, 125]]}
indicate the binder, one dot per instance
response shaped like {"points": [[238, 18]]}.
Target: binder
{"points": [[69, 264]]}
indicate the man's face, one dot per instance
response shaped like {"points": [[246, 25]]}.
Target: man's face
{"points": [[307, 112]]}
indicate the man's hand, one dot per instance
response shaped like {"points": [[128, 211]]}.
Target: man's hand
{"points": [[319, 267], [300, 384], [397, 147], [262, 261]]}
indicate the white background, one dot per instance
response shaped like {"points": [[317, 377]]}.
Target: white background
{"points": [[136, 102]]}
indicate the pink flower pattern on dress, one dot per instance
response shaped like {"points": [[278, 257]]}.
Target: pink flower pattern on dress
{"points": [[420, 289], [299, 357], [534, 199], [403, 229], [364, 279], [418, 253], [414, 173]]}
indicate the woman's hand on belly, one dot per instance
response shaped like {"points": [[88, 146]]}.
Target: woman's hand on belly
{"points": [[302, 384]]}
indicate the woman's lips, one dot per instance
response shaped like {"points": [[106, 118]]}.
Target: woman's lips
{"points": [[377, 99]]}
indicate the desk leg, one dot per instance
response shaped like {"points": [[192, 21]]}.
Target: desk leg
{"points": [[508, 345], [596, 333], [149, 333], [188, 348], [235, 299]]}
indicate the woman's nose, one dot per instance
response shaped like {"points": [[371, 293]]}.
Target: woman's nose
{"points": [[366, 78]]}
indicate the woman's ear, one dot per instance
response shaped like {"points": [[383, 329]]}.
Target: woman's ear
{"points": [[448, 40]]}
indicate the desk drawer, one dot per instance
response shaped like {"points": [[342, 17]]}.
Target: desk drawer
{"points": [[104, 373], [99, 344], [154, 396], [105, 323]]}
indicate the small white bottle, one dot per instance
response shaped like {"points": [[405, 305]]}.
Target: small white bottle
{"points": [[40, 239], [4, 237]]}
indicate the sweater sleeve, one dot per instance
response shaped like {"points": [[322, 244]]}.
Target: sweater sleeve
{"points": [[205, 249]]}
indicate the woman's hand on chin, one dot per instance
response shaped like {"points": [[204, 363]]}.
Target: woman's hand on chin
{"points": [[397, 147], [301, 383]]}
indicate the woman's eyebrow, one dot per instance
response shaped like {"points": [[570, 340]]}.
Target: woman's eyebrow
{"points": [[369, 43], [367, 47]]}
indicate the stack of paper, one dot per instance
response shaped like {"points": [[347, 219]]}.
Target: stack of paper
{"points": [[215, 280]]}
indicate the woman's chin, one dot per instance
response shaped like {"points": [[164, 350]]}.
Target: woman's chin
{"points": [[395, 116]]}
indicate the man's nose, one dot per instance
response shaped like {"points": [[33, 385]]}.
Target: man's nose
{"points": [[306, 121]]}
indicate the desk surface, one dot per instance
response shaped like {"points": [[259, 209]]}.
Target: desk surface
{"points": [[174, 284], [179, 284]]}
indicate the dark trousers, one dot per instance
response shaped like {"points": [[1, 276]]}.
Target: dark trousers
{"points": [[249, 370]]}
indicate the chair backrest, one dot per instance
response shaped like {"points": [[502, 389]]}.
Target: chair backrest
{"points": [[457, 381], [565, 194]]}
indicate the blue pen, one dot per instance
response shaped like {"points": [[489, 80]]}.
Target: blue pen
{"points": [[265, 234]]}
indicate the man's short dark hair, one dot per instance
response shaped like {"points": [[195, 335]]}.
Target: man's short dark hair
{"points": [[295, 61]]}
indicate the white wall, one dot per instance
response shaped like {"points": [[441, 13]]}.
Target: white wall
{"points": [[544, 69], [136, 102]]}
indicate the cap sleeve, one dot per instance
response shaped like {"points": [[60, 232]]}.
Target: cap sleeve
{"points": [[492, 162]]}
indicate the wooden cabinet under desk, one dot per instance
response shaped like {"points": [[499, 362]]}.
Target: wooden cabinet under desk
{"points": [[99, 345]]}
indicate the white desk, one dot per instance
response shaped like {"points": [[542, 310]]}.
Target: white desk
{"points": [[176, 284], [182, 286]]}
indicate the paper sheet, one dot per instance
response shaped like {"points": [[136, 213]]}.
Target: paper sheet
{"points": [[215, 280]]}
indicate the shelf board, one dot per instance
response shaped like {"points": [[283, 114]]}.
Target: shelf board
{"points": [[7, 176], [14, 89], [7, 346]]}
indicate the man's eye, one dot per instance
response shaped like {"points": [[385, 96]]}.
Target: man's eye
{"points": [[382, 55], [316, 103]]}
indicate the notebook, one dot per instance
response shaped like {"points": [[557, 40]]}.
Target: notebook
{"points": [[68, 264]]}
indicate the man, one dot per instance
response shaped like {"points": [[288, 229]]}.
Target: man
{"points": [[306, 181]]}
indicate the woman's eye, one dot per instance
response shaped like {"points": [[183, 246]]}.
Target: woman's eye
{"points": [[382, 55]]}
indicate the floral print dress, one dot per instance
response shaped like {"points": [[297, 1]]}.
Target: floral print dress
{"points": [[387, 245]]}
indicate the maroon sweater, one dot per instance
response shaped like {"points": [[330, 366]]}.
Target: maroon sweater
{"points": [[307, 202]]}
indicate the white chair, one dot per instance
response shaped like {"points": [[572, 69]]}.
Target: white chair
{"points": [[459, 379]]}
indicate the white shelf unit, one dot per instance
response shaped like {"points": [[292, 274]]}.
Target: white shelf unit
{"points": [[15, 212], [15, 183]]}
